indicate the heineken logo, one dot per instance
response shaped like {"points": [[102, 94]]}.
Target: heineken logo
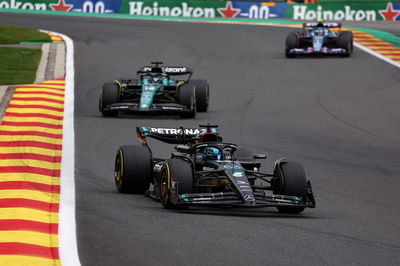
{"points": [[184, 10], [302, 12], [13, 4]]}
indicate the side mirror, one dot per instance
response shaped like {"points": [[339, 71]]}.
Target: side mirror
{"points": [[259, 156]]}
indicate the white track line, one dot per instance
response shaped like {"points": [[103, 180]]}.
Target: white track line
{"points": [[371, 52], [68, 248]]}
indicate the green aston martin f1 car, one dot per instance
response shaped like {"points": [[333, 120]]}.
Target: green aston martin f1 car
{"points": [[155, 90]]}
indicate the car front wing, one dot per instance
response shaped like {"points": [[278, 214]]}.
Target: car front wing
{"points": [[233, 199], [324, 51], [168, 108]]}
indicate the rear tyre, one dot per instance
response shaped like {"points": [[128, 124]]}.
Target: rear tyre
{"points": [[133, 166], [292, 41], [187, 97], [345, 41], [182, 173], [109, 95], [202, 94], [290, 180]]}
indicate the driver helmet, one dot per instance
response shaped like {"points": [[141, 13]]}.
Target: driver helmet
{"points": [[211, 153], [320, 23], [157, 79]]}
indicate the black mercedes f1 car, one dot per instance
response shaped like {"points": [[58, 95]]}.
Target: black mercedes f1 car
{"points": [[205, 171], [155, 90]]}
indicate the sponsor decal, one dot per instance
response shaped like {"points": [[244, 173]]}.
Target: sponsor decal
{"points": [[303, 12], [263, 10], [176, 131], [31, 5], [171, 9], [390, 13], [61, 6], [171, 108], [118, 107], [196, 199], [249, 198], [175, 69], [230, 166], [101, 7], [228, 11], [349, 12], [238, 174], [149, 88]]}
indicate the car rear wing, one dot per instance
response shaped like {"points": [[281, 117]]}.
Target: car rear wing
{"points": [[171, 135], [169, 70], [325, 25]]}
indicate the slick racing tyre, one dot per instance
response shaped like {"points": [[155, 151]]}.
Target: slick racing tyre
{"points": [[109, 95], [133, 166], [202, 94], [292, 41], [180, 173], [345, 41], [290, 180], [187, 97]]}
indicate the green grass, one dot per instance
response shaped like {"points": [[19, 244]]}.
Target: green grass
{"points": [[14, 34], [18, 65]]}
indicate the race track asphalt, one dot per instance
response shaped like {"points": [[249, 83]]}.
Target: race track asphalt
{"points": [[338, 116]]}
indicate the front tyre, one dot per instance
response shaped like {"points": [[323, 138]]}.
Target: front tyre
{"points": [[180, 173], [202, 94], [290, 180], [187, 97], [345, 41], [292, 41], [110, 94], [133, 166]]}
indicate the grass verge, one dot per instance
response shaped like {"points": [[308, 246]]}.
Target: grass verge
{"points": [[14, 34], [18, 65]]}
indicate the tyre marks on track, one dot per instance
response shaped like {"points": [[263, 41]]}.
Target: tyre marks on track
{"points": [[30, 162]]}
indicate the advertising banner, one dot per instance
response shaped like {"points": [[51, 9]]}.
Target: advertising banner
{"points": [[203, 9], [370, 11], [163, 8], [349, 12]]}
